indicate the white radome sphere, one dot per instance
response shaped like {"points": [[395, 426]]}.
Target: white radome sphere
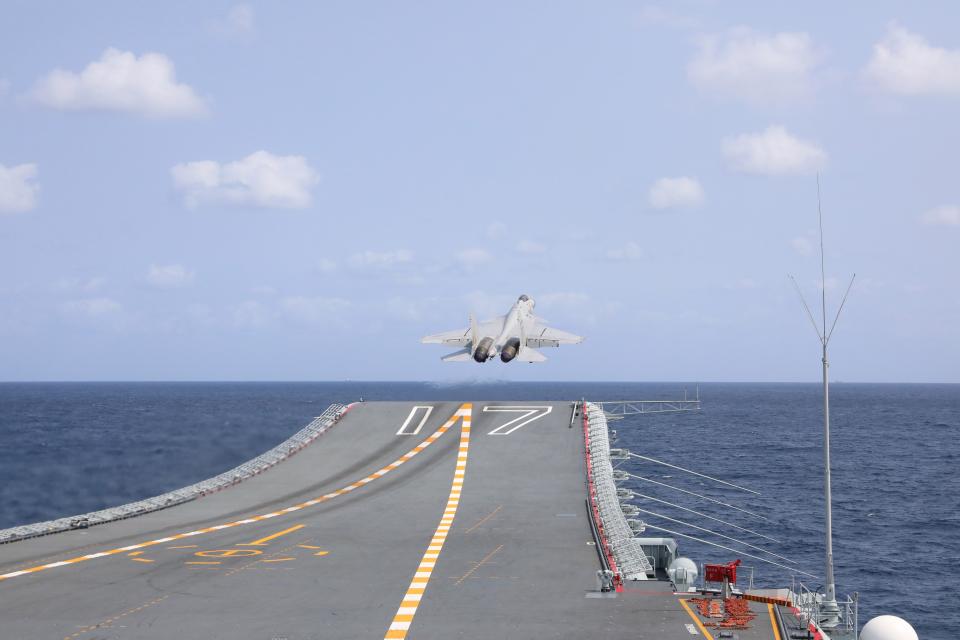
{"points": [[888, 628]]}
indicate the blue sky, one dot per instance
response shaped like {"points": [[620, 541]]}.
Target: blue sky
{"points": [[300, 191]]}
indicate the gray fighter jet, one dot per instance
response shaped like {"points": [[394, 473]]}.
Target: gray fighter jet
{"points": [[515, 336]]}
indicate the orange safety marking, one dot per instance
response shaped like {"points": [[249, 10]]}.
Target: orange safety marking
{"points": [[418, 585]]}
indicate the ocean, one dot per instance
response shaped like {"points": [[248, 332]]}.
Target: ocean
{"points": [[71, 448]]}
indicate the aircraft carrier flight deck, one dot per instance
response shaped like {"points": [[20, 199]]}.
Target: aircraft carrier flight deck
{"points": [[420, 520]]}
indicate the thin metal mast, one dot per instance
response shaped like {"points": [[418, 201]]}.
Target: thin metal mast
{"points": [[829, 611], [829, 607]]}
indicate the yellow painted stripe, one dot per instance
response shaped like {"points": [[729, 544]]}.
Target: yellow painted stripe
{"points": [[400, 625], [696, 619], [309, 503], [773, 622], [262, 542]]}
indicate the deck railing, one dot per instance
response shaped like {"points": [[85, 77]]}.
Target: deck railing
{"points": [[248, 469]]}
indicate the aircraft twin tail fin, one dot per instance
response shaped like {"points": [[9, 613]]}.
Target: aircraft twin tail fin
{"points": [[474, 334]]}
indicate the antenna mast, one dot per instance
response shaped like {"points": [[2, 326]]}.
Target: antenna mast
{"points": [[829, 610]]}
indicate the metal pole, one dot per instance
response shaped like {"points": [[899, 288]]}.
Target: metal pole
{"points": [[830, 610]]}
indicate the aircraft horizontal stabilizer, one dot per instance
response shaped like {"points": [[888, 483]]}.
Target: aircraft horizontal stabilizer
{"points": [[530, 355], [458, 356]]}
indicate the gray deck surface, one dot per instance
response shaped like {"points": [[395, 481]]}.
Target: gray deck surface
{"points": [[519, 561]]}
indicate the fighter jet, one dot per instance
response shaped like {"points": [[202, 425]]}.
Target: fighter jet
{"points": [[515, 336]]}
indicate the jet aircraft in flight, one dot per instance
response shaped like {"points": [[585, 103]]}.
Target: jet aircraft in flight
{"points": [[515, 336]]}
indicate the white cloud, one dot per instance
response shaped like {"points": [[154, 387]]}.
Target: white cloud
{"points": [[948, 215], [238, 22], [381, 259], [484, 305], [473, 257], [655, 16], [629, 251], [120, 81], [18, 188], [671, 193], [263, 290], [755, 67], [259, 180], [251, 314], [741, 284], [528, 246], [92, 308], [773, 152], [496, 230], [88, 285], [169, 276], [314, 310], [802, 245], [326, 265], [904, 63]]}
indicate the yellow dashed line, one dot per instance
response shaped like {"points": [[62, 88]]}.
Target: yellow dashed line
{"points": [[309, 503], [418, 585], [478, 565], [484, 519], [113, 619]]}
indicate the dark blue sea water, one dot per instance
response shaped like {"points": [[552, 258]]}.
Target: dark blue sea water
{"points": [[76, 447]]}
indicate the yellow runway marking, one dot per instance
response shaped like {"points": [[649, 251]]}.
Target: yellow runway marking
{"points": [[478, 565], [112, 619], [321, 553], [228, 553], [141, 560], [485, 518], [308, 546], [433, 437], [278, 559], [135, 553], [696, 619], [262, 542], [203, 562], [418, 585], [773, 622]]}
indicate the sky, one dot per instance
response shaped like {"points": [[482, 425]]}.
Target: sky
{"points": [[300, 191]]}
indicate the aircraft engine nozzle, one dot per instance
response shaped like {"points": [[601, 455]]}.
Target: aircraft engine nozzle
{"points": [[510, 350], [482, 353]]}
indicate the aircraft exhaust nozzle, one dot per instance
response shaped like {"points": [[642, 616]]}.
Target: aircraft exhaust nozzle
{"points": [[482, 354], [510, 350]]}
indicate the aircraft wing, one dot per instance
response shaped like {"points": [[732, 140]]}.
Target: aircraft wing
{"points": [[461, 337], [544, 336], [458, 337]]}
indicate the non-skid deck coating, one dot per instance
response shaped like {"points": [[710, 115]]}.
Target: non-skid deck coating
{"points": [[419, 535]]}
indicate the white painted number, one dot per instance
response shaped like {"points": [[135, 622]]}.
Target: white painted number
{"points": [[428, 409], [527, 415], [692, 629]]}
